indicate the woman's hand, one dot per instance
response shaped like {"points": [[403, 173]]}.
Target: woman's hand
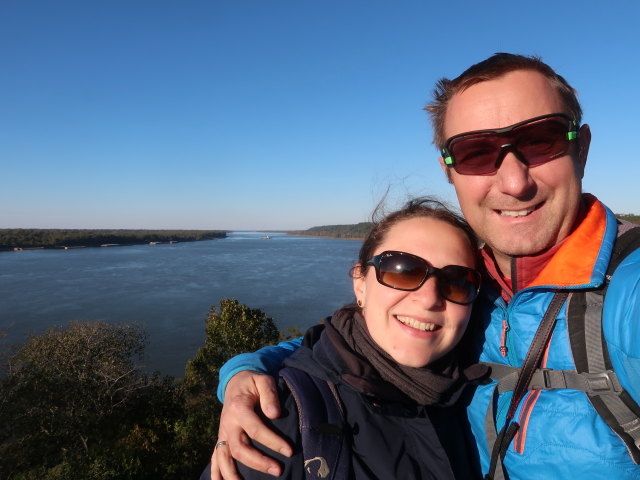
{"points": [[239, 422]]}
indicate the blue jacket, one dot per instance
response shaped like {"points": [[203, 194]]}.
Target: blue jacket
{"points": [[560, 435]]}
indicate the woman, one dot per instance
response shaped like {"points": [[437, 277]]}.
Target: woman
{"points": [[391, 357]]}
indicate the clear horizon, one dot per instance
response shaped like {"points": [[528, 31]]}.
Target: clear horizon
{"points": [[284, 115]]}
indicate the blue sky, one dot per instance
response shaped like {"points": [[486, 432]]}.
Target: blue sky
{"points": [[274, 114]]}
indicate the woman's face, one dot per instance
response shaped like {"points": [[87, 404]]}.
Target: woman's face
{"points": [[392, 315]]}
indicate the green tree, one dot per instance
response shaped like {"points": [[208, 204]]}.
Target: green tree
{"points": [[290, 333], [232, 330], [74, 404]]}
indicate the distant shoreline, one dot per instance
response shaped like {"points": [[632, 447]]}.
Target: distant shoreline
{"points": [[105, 245], [356, 231], [58, 239], [331, 237]]}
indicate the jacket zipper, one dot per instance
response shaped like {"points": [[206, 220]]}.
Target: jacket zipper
{"points": [[505, 351], [528, 403], [503, 338]]}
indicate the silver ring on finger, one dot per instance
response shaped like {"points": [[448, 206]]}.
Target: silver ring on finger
{"points": [[221, 443]]}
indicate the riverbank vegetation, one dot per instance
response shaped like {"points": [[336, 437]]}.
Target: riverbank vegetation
{"points": [[356, 231], [359, 231], [76, 404], [629, 217], [12, 238]]}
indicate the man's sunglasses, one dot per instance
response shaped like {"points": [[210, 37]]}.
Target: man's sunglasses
{"points": [[535, 141], [404, 271]]}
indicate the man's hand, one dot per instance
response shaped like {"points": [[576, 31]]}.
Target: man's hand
{"points": [[239, 422]]}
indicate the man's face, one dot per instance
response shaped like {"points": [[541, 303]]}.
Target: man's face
{"points": [[519, 210]]}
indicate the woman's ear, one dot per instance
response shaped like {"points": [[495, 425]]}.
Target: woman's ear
{"points": [[359, 284]]}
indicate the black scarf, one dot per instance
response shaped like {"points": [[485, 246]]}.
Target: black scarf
{"points": [[440, 383]]}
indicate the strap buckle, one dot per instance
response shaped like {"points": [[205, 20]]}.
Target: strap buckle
{"points": [[552, 379], [547, 380], [602, 383]]}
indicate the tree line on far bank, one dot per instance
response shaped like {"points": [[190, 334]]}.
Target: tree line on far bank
{"points": [[356, 231], [11, 238], [629, 217], [76, 405], [359, 231]]}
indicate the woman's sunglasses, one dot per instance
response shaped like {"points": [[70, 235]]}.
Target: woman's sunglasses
{"points": [[404, 271], [535, 141]]}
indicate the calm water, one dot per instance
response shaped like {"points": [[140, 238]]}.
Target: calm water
{"points": [[170, 288]]}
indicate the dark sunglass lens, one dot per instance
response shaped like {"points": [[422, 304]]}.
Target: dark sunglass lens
{"points": [[543, 141], [401, 271], [458, 284], [475, 154]]}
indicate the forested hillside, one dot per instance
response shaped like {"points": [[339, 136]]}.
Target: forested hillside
{"points": [[356, 231]]}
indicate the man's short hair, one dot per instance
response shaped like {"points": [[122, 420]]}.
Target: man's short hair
{"points": [[493, 67]]}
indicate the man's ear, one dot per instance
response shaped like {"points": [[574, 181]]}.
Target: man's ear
{"points": [[445, 169], [584, 140]]}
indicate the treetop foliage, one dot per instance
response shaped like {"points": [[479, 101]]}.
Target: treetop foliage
{"points": [[233, 329], [75, 403]]}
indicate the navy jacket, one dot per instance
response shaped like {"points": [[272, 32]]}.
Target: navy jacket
{"points": [[389, 439]]}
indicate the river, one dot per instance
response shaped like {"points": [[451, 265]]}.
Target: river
{"points": [[169, 289]]}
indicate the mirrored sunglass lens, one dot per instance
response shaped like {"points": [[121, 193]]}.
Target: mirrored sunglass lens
{"points": [[401, 271], [475, 154], [457, 284], [543, 141]]}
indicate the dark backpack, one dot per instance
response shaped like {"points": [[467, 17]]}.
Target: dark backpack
{"points": [[325, 449], [320, 420]]}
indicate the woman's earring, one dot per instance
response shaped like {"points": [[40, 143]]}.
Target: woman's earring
{"points": [[360, 303]]}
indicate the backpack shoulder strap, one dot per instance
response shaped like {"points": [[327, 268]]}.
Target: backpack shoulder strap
{"points": [[321, 422], [498, 442], [591, 356]]}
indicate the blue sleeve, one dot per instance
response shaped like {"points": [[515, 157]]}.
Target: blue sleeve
{"points": [[266, 360]]}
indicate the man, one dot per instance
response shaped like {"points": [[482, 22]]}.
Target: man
{"points": [[513, 148]]}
